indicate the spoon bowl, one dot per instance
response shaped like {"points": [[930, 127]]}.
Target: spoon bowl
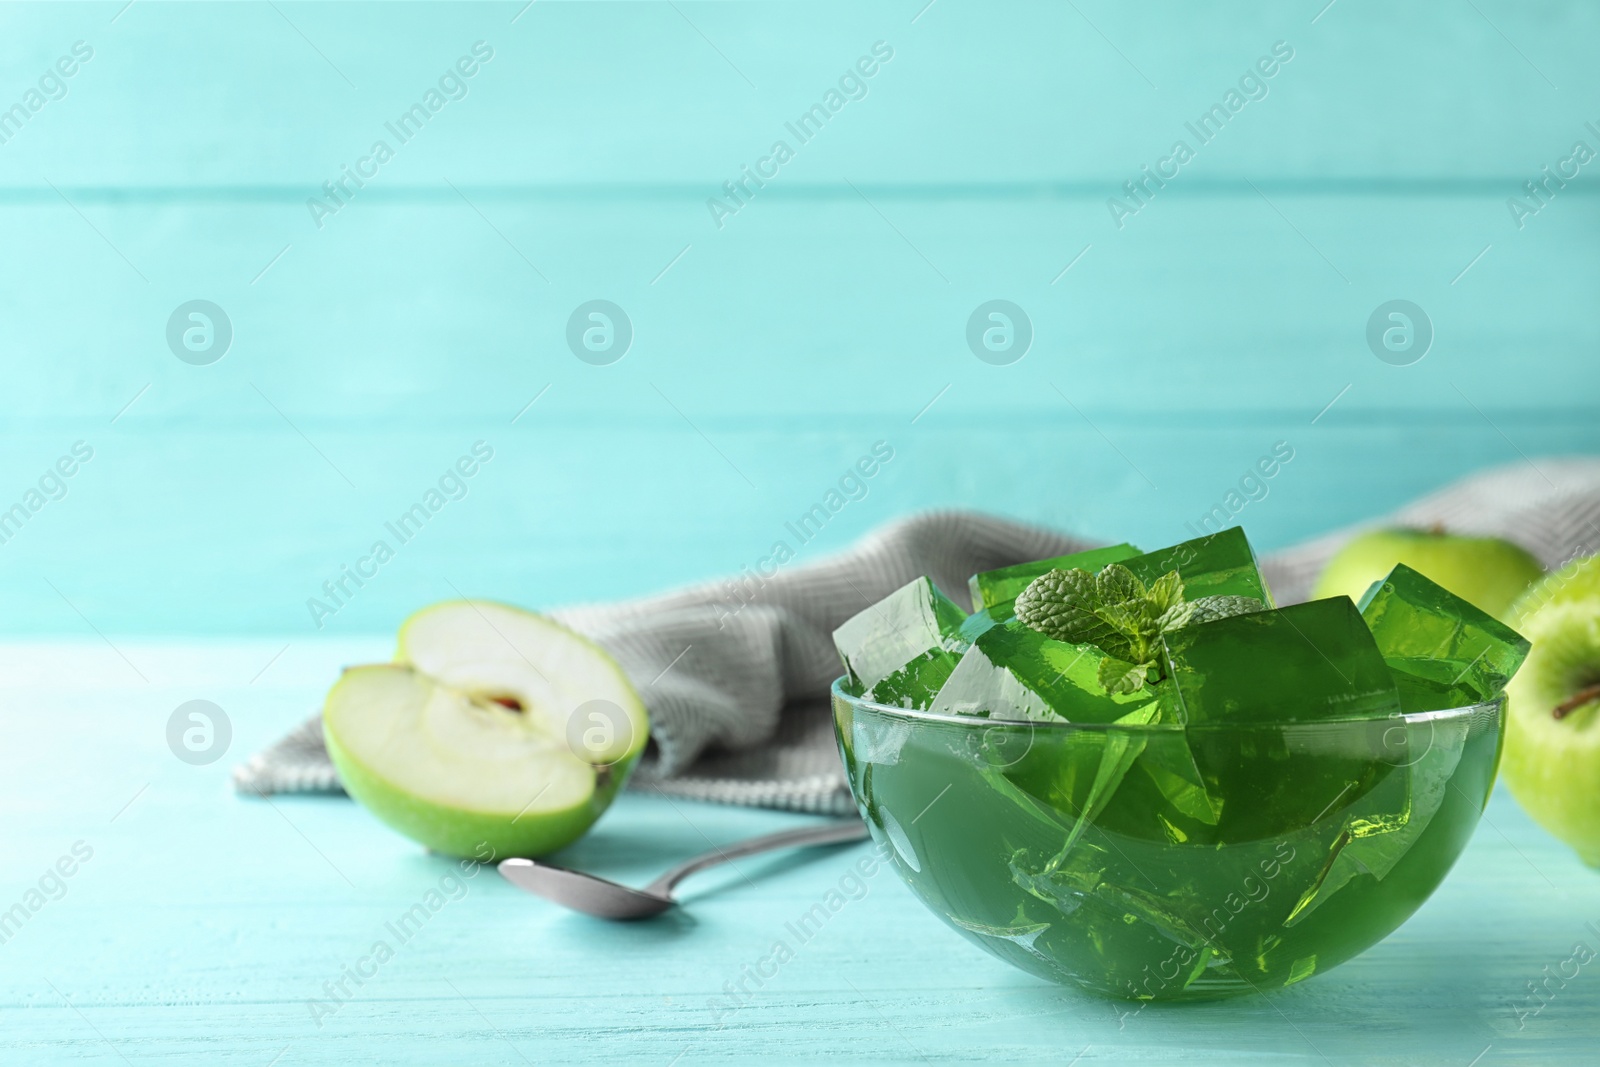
{"points": [[588, 893]]}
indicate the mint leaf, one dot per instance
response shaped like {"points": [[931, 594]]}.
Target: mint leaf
{"points": [[1131, 618], [1120, 676], [1178, 616], [1209, 608], [1166, 592], [1121, 616], [1116, 584], [1136, 631], [1061, 605]]}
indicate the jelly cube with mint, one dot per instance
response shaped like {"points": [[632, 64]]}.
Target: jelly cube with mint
{"points": [[901, 650], [995, 591], [1221, 564], [1445, 652], [1014, 672], [1304, 663]]}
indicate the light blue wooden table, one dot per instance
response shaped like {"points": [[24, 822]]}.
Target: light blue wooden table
{"points": [[1227, 314], [205, 926]]}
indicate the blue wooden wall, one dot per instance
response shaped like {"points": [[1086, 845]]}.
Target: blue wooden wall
{"points": [[1169, 351]]}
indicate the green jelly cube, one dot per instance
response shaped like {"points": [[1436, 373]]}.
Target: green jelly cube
{"points": [[1062, 776], [980, 686], [1446, 644], [996, 590], [980, 621], [1432, 685], [1174, 774], [1304, 663], [1382, 825], [900, 650], [1222, 564], [1014, 672]]}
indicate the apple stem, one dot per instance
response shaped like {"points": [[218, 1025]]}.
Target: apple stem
{"points": [[1577, 700]]}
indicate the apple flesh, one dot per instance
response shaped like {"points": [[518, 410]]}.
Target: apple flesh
{"points": [[1552, 750], [1485, 571], [498, 732]]}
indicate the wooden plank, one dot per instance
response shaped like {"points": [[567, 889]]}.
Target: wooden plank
{"points": [[417, 309], [171, 530], [1016, 93]]}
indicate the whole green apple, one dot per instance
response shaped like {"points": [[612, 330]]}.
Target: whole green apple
{"points": [[1486, 571], [1552, 751], [497, 733]]}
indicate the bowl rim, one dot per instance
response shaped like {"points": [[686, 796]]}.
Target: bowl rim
{"points": [[837, 691]]}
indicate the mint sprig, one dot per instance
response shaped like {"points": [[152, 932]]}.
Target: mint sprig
{"points": [[1121, 616]]}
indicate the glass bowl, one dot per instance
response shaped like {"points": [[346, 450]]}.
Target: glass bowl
{"points": [[1164, 862]]}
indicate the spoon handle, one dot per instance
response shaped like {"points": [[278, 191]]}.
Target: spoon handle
{"points": [[830, 833]]}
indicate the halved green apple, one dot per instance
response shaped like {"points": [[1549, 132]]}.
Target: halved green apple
{"points": [[498, 731]]}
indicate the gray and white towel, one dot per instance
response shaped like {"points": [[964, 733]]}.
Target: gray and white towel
{"points": [[735, 673]]}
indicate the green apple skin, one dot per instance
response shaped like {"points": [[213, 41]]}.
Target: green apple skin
{"points": [[1576, 580], [1485, 571], [484, 836], [1552, 766]]}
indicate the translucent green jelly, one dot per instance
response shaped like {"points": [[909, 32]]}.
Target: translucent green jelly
{"points": [[1152, 861]]}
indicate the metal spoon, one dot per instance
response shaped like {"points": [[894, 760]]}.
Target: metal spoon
{"points": [[606, 899]]}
